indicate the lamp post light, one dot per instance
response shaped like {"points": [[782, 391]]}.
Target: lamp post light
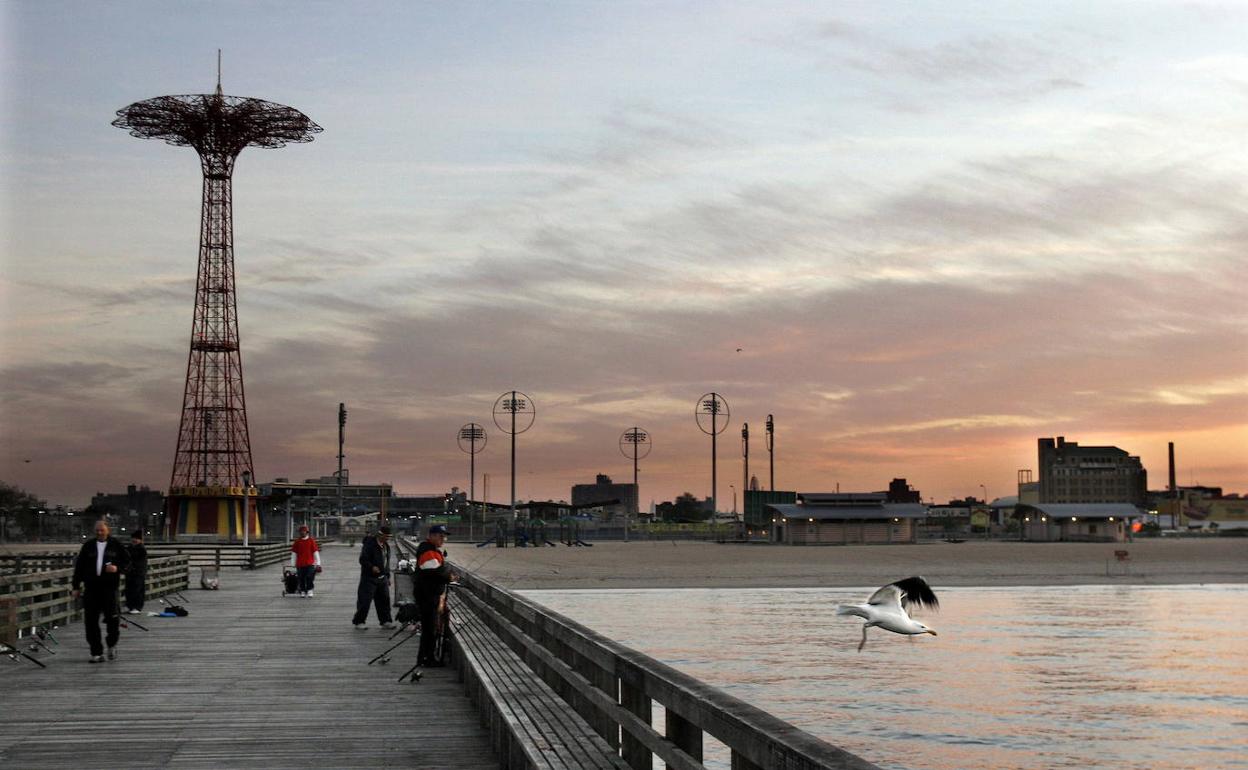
{"points": [[514, 414], [472, 440], [631, 443], [712, 415], [246, 508], [771, 453]]}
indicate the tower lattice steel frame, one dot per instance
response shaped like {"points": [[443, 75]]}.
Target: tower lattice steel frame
{"points": [[214, 445]]}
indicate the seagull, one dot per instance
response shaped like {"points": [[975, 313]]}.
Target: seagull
{"points": [[888, 608]]}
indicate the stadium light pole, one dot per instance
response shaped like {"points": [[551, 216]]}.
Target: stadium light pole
{"points": [[509, 408], [711, 408], [631, 442], [469, 437], [771, 452]]}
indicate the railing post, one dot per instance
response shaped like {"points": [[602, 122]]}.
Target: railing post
{"points": [[688, 737], [8, 620], [741, 763], [637, 702]]}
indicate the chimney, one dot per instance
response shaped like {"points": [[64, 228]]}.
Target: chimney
{"points": [[1173, 488]]}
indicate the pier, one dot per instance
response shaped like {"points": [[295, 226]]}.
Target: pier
{"points": [[251, 678]]}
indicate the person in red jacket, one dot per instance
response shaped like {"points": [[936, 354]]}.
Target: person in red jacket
{"points": [[305, 557]]}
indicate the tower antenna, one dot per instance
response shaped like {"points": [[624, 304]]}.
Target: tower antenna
{"points": [[219, 92]]}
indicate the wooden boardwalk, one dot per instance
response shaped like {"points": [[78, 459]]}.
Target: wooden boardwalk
{"points": [[250, 679]]}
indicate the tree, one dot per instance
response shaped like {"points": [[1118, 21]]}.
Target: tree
{"points": [[20, 510], [685, 508]]}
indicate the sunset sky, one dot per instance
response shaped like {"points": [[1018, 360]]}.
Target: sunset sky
{"points": [[936, 231]]}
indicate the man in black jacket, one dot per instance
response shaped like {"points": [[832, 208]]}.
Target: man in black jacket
{"points": [[136, 578], [374, 579], [98, 569], [432, 576]]}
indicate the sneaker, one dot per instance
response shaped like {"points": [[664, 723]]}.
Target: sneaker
{"points": [[308, 594], [96, 659], [134, 612], [387, 626], [112, 653], [359, 626]]}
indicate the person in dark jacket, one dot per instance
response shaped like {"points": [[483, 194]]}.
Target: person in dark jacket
{"points": [[374, 580], [432, 576], [136, 578], [97, 573]]}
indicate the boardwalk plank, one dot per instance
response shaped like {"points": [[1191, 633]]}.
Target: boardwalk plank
{"points": [[250, 679]]}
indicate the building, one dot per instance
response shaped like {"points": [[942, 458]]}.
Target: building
{"points": [[320, 495], [840, 518], [1077, 522], [757, 517], [604, 490], [901, 492], [1070, 473], [137, 506], [1200, 507]]}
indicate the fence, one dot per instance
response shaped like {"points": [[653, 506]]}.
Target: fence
{"points": [[43, 598]]}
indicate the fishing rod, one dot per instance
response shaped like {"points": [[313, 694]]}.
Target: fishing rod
{"points": [[13, 653], [393, 647], [127, 622]]}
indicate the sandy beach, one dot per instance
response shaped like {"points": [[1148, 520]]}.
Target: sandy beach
{"points": [[709, 565]]}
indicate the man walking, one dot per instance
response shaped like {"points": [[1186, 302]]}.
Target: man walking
{"points": [[374, 579], [305, 557], [97, 572], [136, 578], [432, 576]]}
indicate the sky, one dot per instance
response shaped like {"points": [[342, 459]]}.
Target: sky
{"points": [[935, 231]]}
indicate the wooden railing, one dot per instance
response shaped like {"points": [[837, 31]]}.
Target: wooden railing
{"points": [[217, 555], [614, 688], [43, 598]]}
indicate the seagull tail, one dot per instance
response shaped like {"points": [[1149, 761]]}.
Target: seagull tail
{"points": [[851, 609]]}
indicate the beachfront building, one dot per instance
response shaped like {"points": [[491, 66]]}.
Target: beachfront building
{"points": [[841, 518], [1070, 473], [1077, 522], [619, 498]]}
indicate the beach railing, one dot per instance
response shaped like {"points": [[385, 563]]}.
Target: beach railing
{"points": [[615, 689], [42, 598]]}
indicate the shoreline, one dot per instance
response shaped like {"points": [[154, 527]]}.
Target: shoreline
{"points": [[695, 564]]}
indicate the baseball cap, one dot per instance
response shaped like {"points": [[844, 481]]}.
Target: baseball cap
{"points": [[437, 529]]}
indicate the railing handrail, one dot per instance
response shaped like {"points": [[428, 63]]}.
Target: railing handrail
{"points": [[756, 738], [771, 740]]}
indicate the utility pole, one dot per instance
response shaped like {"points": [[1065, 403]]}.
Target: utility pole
{"points": [[771, 452], [745, 451], [342, 429]]}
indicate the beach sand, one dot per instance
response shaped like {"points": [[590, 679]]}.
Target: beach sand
{"points": [[691, 564]]}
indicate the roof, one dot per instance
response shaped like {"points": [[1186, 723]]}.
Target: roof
{"points": [[1087, 510], [840, 513]]}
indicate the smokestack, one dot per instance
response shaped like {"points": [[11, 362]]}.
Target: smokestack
{"points": [[1173, 488]]}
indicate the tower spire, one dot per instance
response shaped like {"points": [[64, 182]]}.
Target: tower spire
{"points": [[219, 92]]}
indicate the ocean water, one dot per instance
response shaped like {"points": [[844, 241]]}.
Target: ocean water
{"points": [[1147, 677]]}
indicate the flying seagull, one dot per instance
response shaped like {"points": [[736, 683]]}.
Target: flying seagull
{"points": [[889, 608]]}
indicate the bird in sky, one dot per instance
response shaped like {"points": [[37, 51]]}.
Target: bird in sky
{"points": [[889, 608]]}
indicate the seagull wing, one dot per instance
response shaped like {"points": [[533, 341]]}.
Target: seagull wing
{"points": [[916, 591], [888, 595]]}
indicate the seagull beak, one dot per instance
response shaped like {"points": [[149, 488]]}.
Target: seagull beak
{"points": [[933, 633]]}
